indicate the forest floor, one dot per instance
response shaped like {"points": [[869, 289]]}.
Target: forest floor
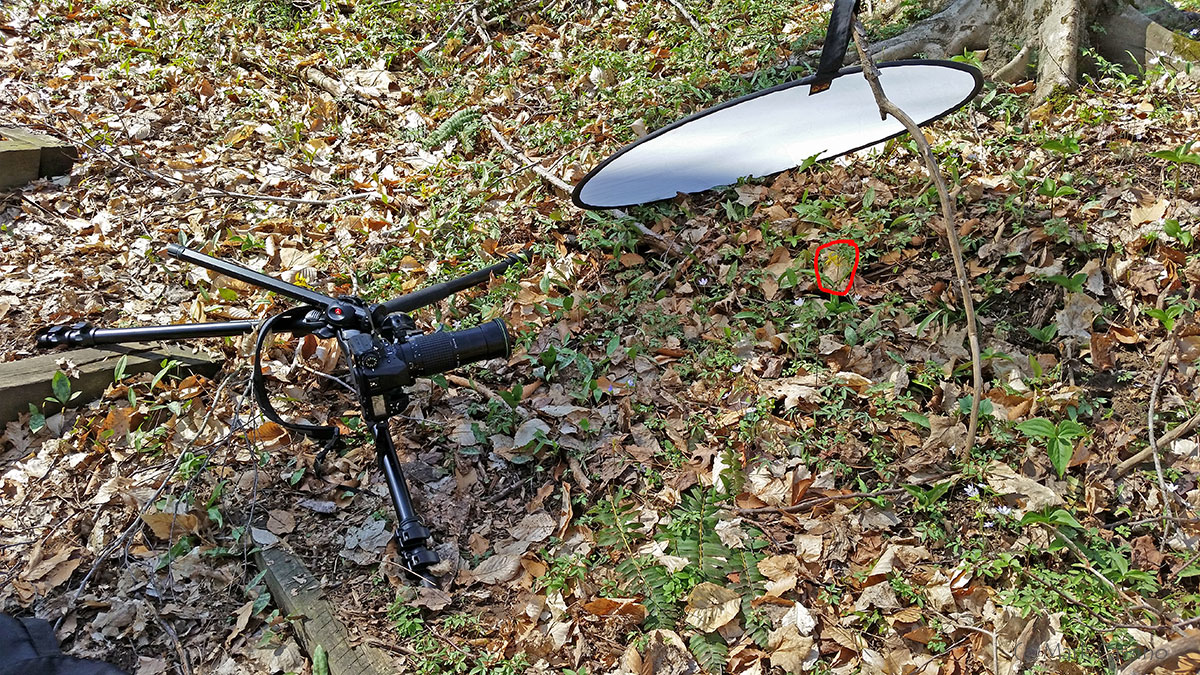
{"points": [[694, 459]]}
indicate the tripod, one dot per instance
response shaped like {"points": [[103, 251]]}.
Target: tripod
{"points": [[385, 353]]}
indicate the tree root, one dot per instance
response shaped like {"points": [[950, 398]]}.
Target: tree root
{"points": [[1058, 37], [1015, 69], [961, 26], [1133, 40], [1168, 15]]}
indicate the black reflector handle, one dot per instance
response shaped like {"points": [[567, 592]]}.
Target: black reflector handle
{"points": [[837, 38]]}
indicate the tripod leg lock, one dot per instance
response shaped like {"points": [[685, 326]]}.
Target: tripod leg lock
{"points": [[412, 533], [419, 558], [81, 334]]}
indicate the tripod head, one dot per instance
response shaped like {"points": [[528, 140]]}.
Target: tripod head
{"points": [[385, 353]]}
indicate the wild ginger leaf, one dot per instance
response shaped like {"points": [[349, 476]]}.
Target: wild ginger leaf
{"points": [[1038, 427]]}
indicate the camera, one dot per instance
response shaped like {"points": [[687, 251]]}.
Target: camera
{"points": [[383, 368]]}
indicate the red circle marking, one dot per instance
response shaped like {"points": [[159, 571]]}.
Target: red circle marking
{"points": [[853, 269]]}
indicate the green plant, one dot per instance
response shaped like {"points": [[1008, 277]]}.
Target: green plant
{"points": [[692, 534], [615, 523], [1043, 334], [561, 573], [1167, 316], [1172, 228], [926, 498], [60, 384], [1059, 439], [968, 57], [1073, 284], [405, 618], [710, 651], [463, 125], [1178, 156], [1065, 146]]}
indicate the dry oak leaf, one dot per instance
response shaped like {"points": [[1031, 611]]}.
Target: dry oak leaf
{"points": [[881, 595], [1033, 495], [665, 654], [1076, 317], [790, 650], [808, 547], [711, 606], [164, 525], [280, 521], [497, 569], [782, 572], [800, 618], [616, 607], [431, 598], [54, 571]]}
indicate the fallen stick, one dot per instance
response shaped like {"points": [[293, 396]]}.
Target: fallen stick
{"points": [[655, 239], [1167, 438], [886, 107], [687, 16], [1157, 656], [1168, 515]]}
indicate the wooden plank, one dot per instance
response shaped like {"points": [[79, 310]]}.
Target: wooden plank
{"points": [[19, 163], [28, 380], [297, 592], [55, 157]]}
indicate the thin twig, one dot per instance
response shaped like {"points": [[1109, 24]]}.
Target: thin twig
{"points": [[185, 664], [983, 631], [683, 11], [532, 165], [151, 503], [1066, 595], [654, 239], [886, 107], [1131, 603], [1167, 438], [453, 24], [459, 381], [1153, 658], [1167, 514]]}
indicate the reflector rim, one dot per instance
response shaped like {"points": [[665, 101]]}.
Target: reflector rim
{"points": [[854, 70]]}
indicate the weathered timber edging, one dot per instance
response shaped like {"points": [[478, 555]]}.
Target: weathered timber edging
{"points": [[26, 156], [28, 380], [298, 593]]}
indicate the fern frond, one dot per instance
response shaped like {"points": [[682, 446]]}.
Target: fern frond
{"points": [[751, 584], [465, 122], [710, 651], [662, 611]]}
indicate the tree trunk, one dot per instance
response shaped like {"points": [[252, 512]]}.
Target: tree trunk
{"points": [[1052, 34]]}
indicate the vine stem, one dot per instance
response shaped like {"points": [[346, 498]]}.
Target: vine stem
{"points": [[886, 107]]}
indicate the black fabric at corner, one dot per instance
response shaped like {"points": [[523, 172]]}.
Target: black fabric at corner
{"points": [[28, 647], [837, 38]]}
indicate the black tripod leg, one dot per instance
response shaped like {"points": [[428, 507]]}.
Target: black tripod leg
{"points": [[411, 535]]}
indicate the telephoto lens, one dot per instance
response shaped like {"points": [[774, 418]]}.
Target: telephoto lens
{"points": [[434, 353]]}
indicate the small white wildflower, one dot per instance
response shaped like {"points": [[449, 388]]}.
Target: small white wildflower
{"points": [[1004, 510], [736, 369], [972, 491]]}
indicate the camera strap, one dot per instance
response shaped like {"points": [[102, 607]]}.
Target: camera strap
{"points": [[259, 385]]}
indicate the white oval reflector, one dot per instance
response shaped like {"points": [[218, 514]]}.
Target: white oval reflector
{"points": [[773, 130]]}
